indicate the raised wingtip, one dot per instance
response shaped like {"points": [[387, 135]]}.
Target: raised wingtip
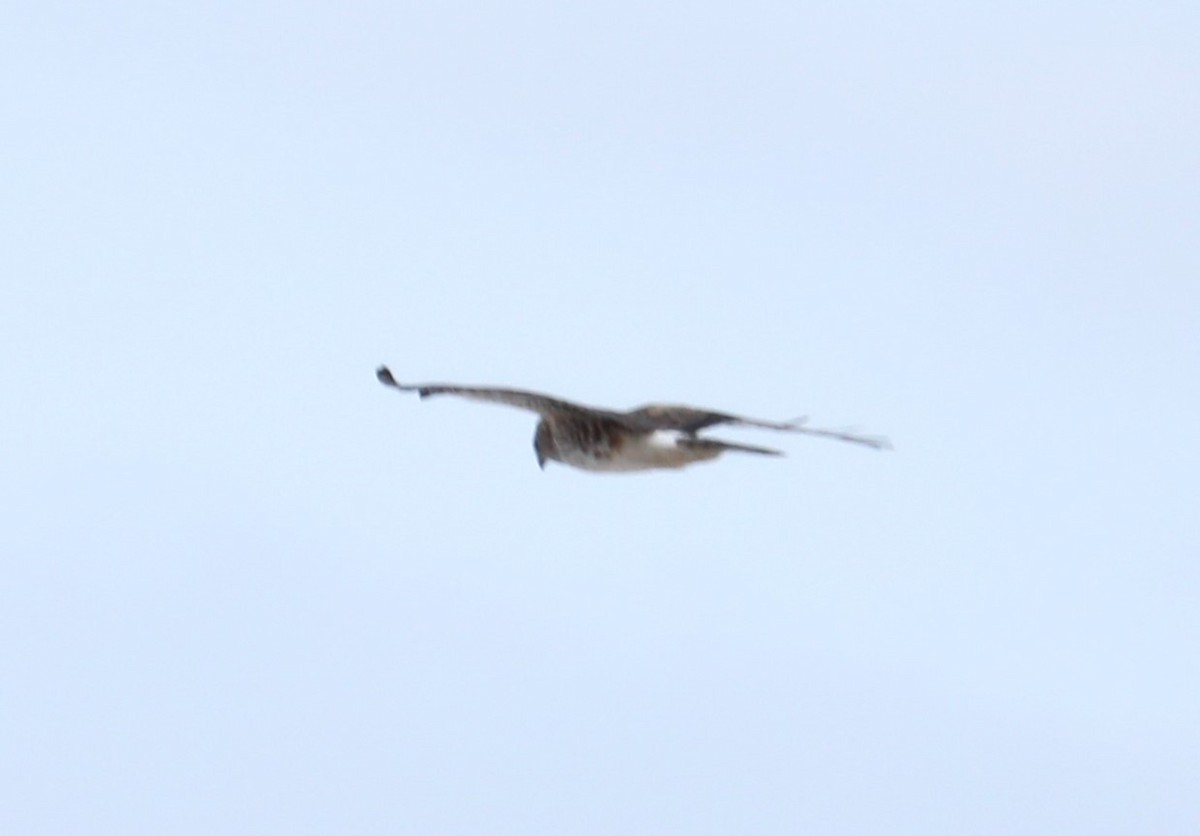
{"points": [[384, 375]]}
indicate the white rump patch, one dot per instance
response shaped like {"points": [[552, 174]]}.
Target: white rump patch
{"points": [[664, 439]]}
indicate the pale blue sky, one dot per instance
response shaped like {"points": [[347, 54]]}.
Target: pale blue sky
{"points": [[247, 590]]}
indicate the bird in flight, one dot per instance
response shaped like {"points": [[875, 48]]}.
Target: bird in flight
{"points": [[654, 436]]}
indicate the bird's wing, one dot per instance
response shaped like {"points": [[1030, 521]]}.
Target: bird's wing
{"points": [[701, 443], [692, 420], [532, 401]]}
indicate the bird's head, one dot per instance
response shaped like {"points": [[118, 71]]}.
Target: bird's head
{"points": [[543, 444]]}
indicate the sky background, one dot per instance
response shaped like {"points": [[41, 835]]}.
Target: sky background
{"points": [[247, 590]]}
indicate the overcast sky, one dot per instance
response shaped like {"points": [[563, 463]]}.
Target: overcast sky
{"points": [[247, 590]]}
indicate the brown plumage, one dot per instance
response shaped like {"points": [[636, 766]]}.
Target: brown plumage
{"points": [[654, 436]]}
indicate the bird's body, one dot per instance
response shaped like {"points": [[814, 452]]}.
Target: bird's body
{"points": [[652, 437], [616, 449]]}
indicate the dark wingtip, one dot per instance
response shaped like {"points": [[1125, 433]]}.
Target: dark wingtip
{"points": [[384, 375]]}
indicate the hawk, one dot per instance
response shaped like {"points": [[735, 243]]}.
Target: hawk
{"points": [[653, 436]]}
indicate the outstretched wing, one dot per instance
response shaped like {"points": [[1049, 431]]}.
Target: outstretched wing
{"points": [[692, 420], [533, 401], [700, 443]]}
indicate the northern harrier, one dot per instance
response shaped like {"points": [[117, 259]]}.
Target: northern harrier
{"points": [[654, 436]]}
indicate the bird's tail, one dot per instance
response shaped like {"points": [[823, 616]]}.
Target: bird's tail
{"points": [[715, 445]]}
